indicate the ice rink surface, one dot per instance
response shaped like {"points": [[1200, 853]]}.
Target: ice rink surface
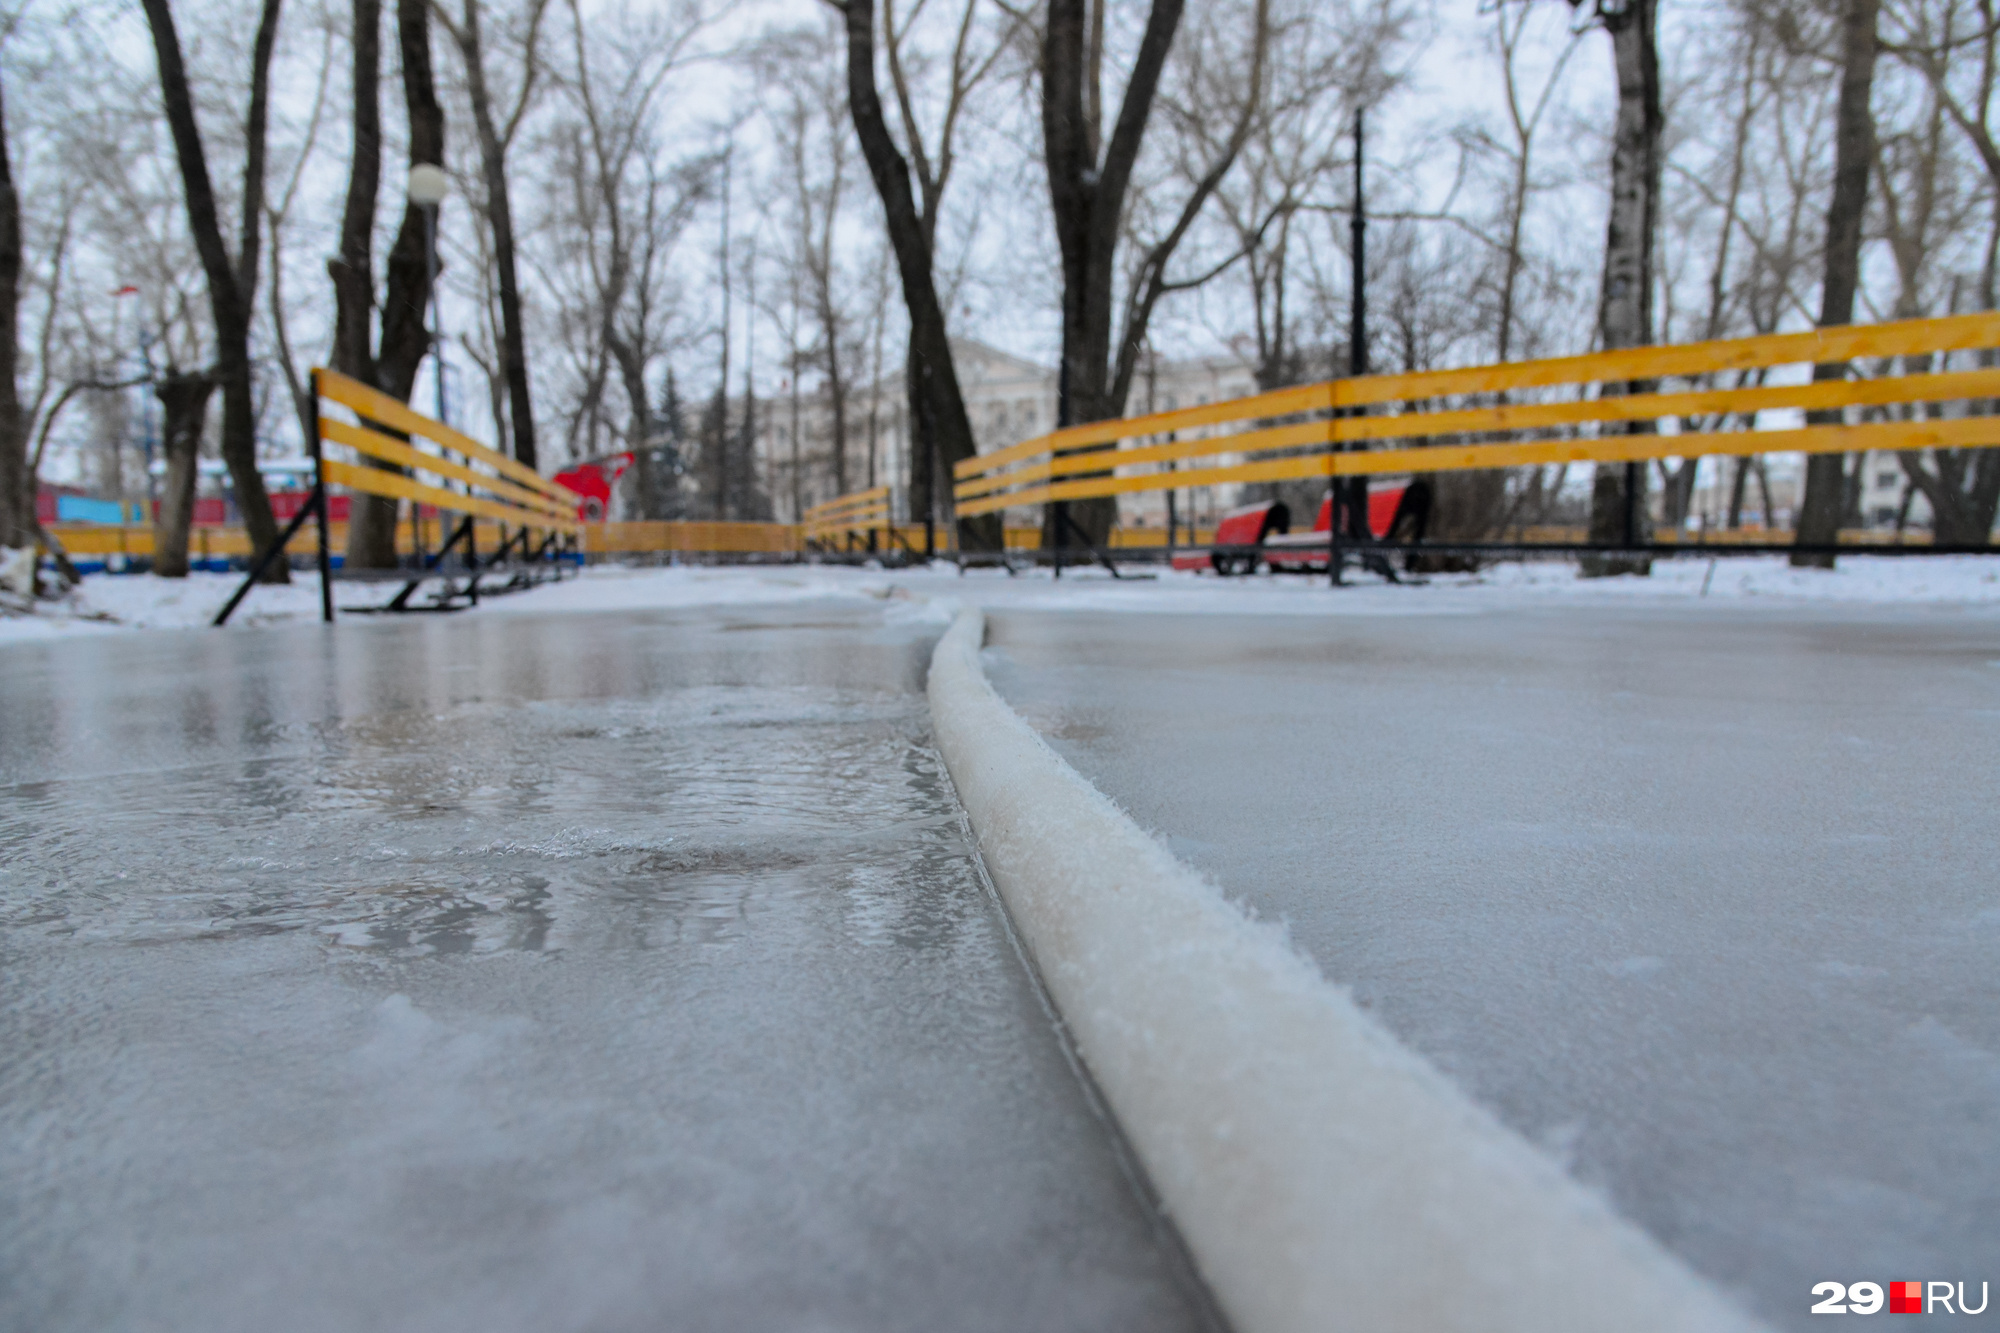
{"points": [[1703, 898], [606, 971]]}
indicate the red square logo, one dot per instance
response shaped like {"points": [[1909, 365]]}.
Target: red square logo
{"points": [[1906, 1298]]}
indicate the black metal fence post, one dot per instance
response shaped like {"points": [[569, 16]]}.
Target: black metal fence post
{"points": [[1344, 494], [320, 502]]}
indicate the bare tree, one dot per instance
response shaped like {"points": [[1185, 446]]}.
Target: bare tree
{"points": [[1625, 301], [1854, 160], [1524, 123], [232, 285], [277, 213], [1090, 177], [1293, 163], [1963, 71], [814, 145], [391, 365], [626, 201], [939, 430], [878, 324], [17, 492], [497, 131]]}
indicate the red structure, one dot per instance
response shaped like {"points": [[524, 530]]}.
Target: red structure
{"points": [[1267, 527], [594, 480]]}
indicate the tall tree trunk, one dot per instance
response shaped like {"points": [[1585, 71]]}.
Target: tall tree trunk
{"points": [[184, 404], [715, 455], [500, 217], [1088, 200], [406, 339], [371, 537], [1625, 304], [632, 374], [1853, 158], [798, 451], [747, 500], [670, 461], [353, 268], [17, 490], [1963, 487], [1735, 519], [836, 392], [232, 288], [938, 423]]}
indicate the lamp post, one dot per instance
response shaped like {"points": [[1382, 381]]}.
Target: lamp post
{"points": [[117, 308], [1350, 497], [428, 187]]}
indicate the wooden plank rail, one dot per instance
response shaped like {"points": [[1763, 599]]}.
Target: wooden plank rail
{"points": [[491, 486], [1603, 407], [514, 492], [855, 514]]}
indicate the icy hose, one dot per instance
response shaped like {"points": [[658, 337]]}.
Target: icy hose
{"points": [[1323, 1176]]}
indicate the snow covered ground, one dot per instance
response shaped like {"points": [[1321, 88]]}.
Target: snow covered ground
{"points": [[112, 602]]}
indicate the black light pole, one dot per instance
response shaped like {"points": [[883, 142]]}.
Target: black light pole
{"points": [[428, 186], [437, 321], [1060, 521], [1357, 345], [1355, 493]]}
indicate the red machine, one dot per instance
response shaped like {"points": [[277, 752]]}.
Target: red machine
{"points": [[594, 479], [1398, 507]]}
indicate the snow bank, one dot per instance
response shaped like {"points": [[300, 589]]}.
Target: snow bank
{"points": [[1740, 582], [621, 588], [1322, 1175], [141, 601], [1858, 578]]}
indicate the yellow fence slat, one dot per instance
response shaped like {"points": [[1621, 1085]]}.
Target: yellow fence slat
{"points": [[1277, 403], [390, 450], [1901, 338], [694, 537], [374, 405], [852, 500], [1902, 389], [1952, 386], [1956, 433], [856, 512], [862, 519], [394, 485], [1257, 441]]}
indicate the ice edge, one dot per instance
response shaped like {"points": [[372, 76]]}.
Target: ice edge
{"points": [[1322, 1174]]}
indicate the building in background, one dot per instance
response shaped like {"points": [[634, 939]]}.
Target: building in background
{"points": [[1007, 399]]}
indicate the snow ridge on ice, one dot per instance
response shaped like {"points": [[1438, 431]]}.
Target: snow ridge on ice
{"points": [[1321, 1174]]}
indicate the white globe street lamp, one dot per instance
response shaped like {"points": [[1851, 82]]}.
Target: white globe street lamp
{"points": [[428, 185]]}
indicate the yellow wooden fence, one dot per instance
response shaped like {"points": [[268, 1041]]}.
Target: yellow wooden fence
{"points": [[841, 520], [490, 484], [1580, 409]]}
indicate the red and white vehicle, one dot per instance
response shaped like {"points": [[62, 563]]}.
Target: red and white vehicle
{"points": [[1397, 507]]}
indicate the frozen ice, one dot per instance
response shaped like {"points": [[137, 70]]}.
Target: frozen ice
{"points": [[1320, 1173], [1702, 898], [522, 972]]}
